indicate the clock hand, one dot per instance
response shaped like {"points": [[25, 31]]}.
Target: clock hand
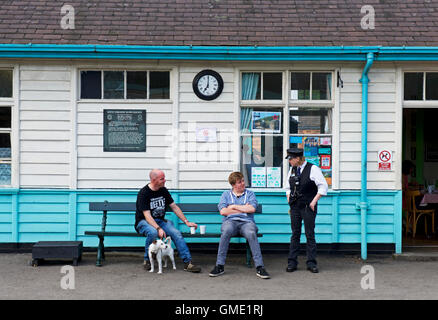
{"points": [[208, 83]]}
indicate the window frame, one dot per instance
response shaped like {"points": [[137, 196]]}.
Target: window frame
{"points": [[125, 83], [286, 104], [327, 102], [423, 100], [11, 102], [261, 101]]}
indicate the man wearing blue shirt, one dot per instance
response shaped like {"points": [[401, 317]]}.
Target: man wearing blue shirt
{"points": [[238, 206]]}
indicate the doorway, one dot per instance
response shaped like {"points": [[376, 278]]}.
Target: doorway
{"points": [[420, 153]]}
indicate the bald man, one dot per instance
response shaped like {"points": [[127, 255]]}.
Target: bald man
{"points": [[152, 200]]}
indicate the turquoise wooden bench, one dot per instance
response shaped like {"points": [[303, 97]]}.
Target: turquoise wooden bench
{"points": [[187, 208]]}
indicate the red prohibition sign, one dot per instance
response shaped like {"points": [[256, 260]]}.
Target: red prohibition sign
{"points": [[385, 156]]}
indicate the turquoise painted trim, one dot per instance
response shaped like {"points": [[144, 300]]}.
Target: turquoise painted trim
{"points": [[398, 219], [49, 51], [72, 216], [63, 215], [363, 191], [14, 218]]}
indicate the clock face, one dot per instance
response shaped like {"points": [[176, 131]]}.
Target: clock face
{"points": [[208, 85]]}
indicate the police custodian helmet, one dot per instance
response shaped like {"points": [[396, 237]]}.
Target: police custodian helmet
{"points": [[294, 152]]}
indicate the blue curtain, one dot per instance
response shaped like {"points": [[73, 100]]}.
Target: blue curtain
{"points": [[250, 82]]}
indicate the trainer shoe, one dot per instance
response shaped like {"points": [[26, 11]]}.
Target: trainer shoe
{"points": [[217, 271], [147, 265], [190, 267], [261, 272]]}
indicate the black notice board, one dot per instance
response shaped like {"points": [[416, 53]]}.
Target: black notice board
{"points": [[124, 130]]}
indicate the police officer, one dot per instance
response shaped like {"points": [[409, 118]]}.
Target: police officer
{"points": [[306, 186]]}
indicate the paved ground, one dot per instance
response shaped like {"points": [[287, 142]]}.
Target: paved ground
{"points": [[123, 277]]}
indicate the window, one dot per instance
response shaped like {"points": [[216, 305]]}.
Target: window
{"points": [[5, 83], [262, 147], [5, 145], [311, 86], [420, 86], [125, 84], [311, 129], [262, 86]]}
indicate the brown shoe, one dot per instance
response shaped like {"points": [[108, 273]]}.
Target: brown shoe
{"points": [[190, 267]]}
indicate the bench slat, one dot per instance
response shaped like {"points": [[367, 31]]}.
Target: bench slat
{"points": [[134, 234], [131, 206]]}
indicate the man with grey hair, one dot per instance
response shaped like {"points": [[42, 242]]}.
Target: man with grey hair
{"points": [[152, 201]]}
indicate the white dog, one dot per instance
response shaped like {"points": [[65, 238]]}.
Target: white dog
{"points": [[161, 249]]}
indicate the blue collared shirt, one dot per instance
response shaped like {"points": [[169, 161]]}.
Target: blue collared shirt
{"points": [[228, 198]]}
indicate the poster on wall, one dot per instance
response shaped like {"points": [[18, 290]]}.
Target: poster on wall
{"points": [[311, 146], [266, 121], [258, 177], [124, 130], [273, 177], [325, 162], [206, 134]]}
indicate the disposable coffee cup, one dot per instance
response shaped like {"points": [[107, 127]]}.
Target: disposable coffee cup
{"points": [[202, 229], [192, 230], [430, 189]]}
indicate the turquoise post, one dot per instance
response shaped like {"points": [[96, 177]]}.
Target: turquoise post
{"points": [[363, 205]]}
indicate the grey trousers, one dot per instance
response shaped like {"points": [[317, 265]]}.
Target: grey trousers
{"points": [[247, 229]]}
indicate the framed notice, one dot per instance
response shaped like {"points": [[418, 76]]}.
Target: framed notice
{"points": [[124, 130], [266, 121]]}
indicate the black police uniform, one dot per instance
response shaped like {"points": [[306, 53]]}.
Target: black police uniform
{"points": [[303, 190]]}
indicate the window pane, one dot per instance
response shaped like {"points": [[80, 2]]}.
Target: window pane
{"points": [[160, 84], [431, 86], [272, 86], [5, 140], [251, 86], [317, 150], [5, 173], [113, 85], [300, 86], [91, 85], [136, 83], [5, 83], [310, 121], [5, 117], [413, 87], [321, 86], [266, 154]]}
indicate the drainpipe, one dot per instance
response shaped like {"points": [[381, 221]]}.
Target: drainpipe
{"points": [[363, 205]]}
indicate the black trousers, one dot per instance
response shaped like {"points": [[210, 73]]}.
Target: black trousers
{"points": [[297, 215]]}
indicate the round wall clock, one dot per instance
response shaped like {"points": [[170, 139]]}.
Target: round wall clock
{"points": [[208, 85]]}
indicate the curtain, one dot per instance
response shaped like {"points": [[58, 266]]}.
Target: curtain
{"points": [[250, 82]]}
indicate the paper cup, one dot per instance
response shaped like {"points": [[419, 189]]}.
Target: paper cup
{"points": [[202, 229], [192, 230]]}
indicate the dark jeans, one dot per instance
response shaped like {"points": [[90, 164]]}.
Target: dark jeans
{"points": [[297, 216]]}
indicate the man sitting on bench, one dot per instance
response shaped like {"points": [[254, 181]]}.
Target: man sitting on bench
{"points": [[238, 206], [149, 219]]}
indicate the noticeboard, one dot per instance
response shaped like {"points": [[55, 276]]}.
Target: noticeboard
{"points": [[124, 130]]}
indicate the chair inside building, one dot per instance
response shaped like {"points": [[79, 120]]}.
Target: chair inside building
{"points": [[415, 212]]}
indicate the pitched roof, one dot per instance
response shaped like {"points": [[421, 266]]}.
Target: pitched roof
{"points": [[221, 22]]}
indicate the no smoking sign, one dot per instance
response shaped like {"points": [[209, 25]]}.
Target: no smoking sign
{"points": [[384, 160]]}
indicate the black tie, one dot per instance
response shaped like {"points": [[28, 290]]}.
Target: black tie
{"points": [[298, 171]]}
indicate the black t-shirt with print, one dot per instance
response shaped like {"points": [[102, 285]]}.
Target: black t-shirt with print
{"points": [[155, 201]]}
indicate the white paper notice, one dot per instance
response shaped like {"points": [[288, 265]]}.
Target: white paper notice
{"points": [[258, 177], [273, 177], [294, 94]]}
